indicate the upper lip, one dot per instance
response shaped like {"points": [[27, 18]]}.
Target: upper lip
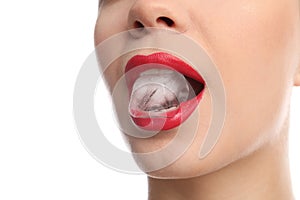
{"points": [[164, 59]]}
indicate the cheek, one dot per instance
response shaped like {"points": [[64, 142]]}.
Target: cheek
{"points": [[255, 55], [112, 19]]}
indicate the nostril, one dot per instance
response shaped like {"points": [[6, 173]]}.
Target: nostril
{"points": [[165, 20], [138, 24]]}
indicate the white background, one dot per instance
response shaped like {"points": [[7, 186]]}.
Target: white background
{"points": [[42, 47]]}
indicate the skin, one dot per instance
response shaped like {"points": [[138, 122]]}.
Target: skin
{"points": [[256, 46]]}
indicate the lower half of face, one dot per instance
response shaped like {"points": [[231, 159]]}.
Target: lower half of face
{"points": [[255, 46]]}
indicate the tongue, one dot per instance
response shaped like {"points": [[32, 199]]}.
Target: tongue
{"points": [[157, 91]]}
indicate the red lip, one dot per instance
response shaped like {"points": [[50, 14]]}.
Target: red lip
{"points": [[169, 61]]}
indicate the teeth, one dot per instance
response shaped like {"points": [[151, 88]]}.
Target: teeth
{"points": [[158, 90]]}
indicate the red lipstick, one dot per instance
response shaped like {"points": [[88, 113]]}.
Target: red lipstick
{"points": [[164, 60]]}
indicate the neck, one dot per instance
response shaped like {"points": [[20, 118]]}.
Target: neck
{"points": [[263, 175]]}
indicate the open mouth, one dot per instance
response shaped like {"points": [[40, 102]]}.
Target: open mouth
{"points": [[164, 90]]}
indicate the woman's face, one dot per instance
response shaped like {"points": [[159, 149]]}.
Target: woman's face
{"points": [[254, 44]]}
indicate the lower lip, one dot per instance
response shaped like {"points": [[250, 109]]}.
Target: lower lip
{"points": [[172, 118]]}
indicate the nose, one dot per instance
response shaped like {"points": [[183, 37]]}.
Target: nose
{"points": [[167, 14]]}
